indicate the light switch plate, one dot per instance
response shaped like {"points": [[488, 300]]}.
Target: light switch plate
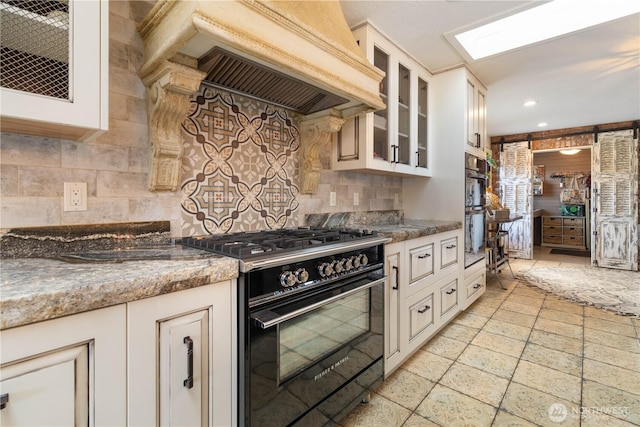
{"points": [[356, 199], [75, 196]]}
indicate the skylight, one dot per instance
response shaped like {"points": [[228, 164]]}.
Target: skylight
{"points": [[540, 23]]}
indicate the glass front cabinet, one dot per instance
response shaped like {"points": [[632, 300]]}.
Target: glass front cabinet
{"points": [[395, 139]]}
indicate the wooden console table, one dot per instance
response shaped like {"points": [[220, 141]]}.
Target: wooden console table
{"points": [[567, 232]]}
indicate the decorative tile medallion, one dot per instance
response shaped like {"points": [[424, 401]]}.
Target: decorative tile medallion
{"points": [[240, 165]]}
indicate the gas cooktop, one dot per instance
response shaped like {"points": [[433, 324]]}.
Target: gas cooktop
{"points": [[248, 245]]}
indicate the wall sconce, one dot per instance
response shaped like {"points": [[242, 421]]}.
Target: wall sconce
{"points": [[570, 152]]}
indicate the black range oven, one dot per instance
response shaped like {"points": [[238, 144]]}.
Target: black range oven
{"points": [[311, 322]]}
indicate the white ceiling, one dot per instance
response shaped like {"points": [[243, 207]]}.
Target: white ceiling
{"points": [[587, 78]]}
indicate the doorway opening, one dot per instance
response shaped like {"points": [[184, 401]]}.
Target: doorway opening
{"points": [[561, 205]]}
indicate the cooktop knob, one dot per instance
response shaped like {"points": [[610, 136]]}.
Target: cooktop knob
{"points": [[338, 266], [348, 263], [287, 279], [322, 269], [328, 271], [356, 261], [302, 275], [363, 260]]}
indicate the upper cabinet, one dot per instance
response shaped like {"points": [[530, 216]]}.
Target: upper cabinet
{"points": [[476, 117], [459, 105], [55, 65], [394, 139]]}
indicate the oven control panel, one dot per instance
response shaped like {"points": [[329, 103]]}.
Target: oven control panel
{"points": [[278, 281]]}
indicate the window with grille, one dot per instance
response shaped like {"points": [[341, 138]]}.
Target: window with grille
{"points": [[35, 43]]}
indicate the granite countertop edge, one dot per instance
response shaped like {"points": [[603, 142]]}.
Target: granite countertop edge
{"points": [[37, 289], [413, 229]]}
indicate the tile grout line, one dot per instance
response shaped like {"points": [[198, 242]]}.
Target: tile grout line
{"points": [[519, 358]]}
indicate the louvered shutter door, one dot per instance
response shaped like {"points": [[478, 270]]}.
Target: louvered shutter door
{"points": [[515, 183], [615, 201]]}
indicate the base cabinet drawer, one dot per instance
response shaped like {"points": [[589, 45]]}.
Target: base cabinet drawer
{"points": [[573, 222], [551, 221], [421, 260], [573, 231], [421, 316], [449, 252], [573, 241], [552, 231], [448, 297], [474, 286], [552, 239]]}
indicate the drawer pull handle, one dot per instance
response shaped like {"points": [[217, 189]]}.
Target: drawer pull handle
{"points": [[395, 287], [477, 286], [424, 310], [450, 246], [450, 291], [188, 383], [4, 399], [424, 256]]}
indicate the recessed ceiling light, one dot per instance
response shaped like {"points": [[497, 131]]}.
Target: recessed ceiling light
{"points": [[530, 103], [549, 20], [542, 124]]}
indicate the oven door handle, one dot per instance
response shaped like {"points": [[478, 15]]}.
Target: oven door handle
{"points": [[267, 318]]}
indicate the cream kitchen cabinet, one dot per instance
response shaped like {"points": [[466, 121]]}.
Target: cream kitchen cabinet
{"points": [[59, 88], [181, 354], [476, 117], [393, 140], [163, 360], [475, 283], [66, 371], [394, 254], [459, 105], [422, 295]]}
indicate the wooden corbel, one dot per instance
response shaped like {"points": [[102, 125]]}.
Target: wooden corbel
{"points": [[314, 136], [169, 90]]}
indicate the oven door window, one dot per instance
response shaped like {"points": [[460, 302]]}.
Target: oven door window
{"points": [[309, 337]]}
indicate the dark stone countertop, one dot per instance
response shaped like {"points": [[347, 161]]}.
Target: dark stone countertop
{"points": [[40, 279], [391, 224]]}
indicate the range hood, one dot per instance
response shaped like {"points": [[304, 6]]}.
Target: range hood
{"points": [[296, 54]]}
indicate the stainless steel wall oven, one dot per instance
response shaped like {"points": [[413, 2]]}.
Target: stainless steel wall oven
{"points": [[311, 322], [474, 224]]}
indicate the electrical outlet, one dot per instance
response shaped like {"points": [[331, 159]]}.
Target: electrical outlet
{"points": [[332, 198], [75, 196], [356, 199]]}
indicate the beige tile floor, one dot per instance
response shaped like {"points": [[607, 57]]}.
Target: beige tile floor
{"points": [[517, 357]]}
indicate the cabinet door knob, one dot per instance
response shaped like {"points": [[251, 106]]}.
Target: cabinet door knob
{"points": [[188, 383], [395, 287], [424, 310], [427, 255], [4, 399], [450, 291]]}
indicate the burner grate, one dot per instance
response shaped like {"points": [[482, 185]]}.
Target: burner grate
{"points": [[247, 244]]}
